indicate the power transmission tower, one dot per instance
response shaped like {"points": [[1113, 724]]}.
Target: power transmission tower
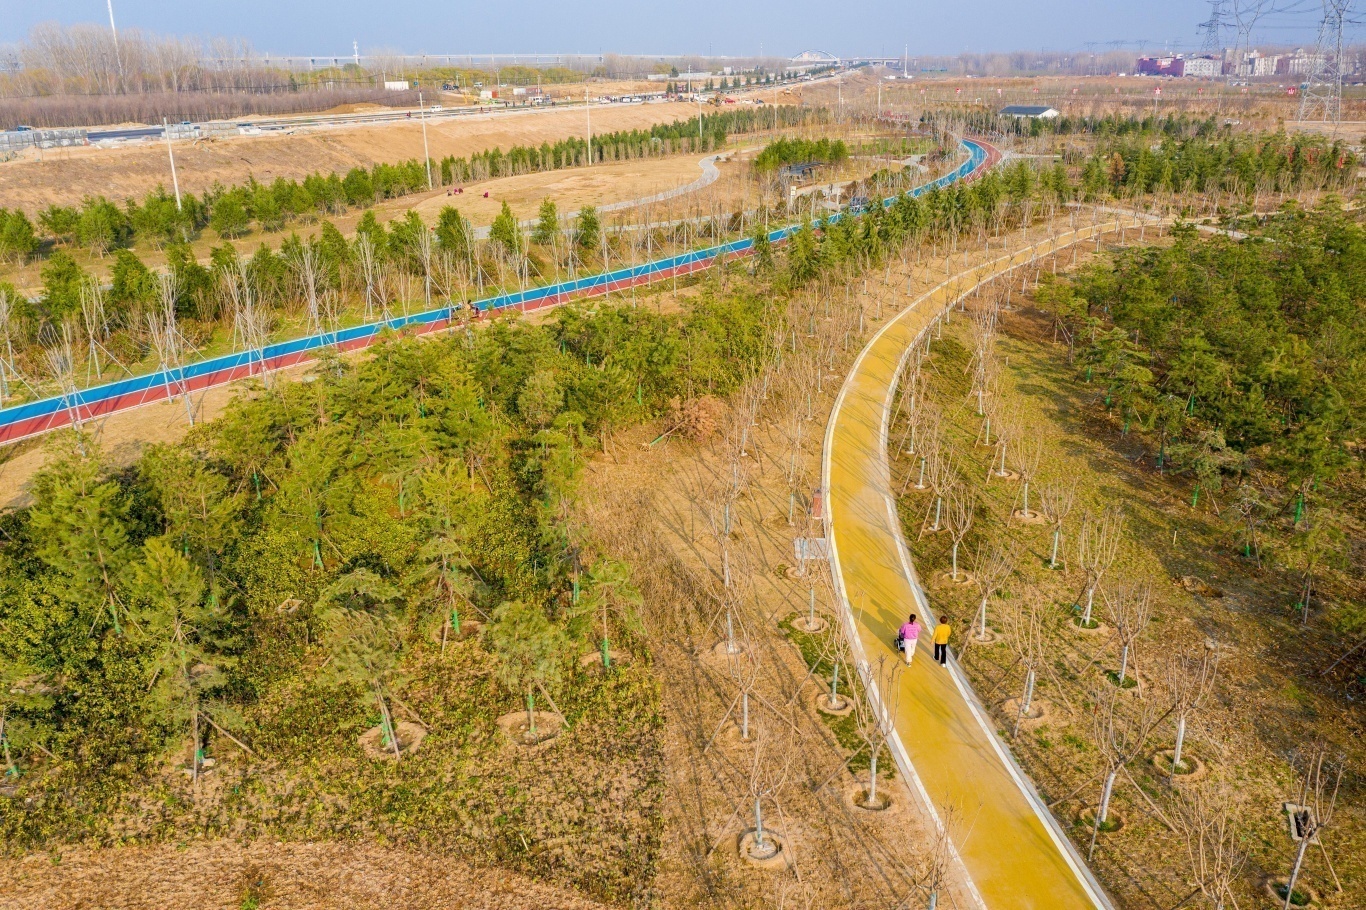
{"points": [[1321, 96], [1210, 43]]}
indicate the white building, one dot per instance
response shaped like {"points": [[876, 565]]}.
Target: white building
{"points": [[1202, 67]]}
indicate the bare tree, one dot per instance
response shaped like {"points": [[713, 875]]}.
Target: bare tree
{"points": [[1097, 547], [1190, 680], [990, 569], [942, 476], [1028, 456], [877, 719], [1026, 625], [1208, 819], [768, 771], [1121, 727], [1315, 808], [744, 672], [961, 505], [1130, 608], [1057, 500]]}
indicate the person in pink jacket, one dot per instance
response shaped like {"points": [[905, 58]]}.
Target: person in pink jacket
{"points": [[907, 636]]}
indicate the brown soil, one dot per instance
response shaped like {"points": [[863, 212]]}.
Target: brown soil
{"points": [[222, 875], [410, 738], [68, 175]]}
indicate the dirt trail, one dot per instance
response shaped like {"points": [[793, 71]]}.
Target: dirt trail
{"points": [[68, 175]]}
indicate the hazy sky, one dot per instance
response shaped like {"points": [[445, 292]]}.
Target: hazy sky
{"points": [[327, 27]]}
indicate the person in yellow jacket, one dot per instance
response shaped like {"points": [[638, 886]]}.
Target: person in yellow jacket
{"points": [[941, 642]]}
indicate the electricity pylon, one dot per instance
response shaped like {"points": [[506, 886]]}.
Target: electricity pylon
{"points": [[1321, 96]]}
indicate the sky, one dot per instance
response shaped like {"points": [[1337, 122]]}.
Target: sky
{"points": [[724, 27]]}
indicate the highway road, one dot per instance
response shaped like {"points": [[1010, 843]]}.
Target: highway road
{"points": [[1013, 851]]}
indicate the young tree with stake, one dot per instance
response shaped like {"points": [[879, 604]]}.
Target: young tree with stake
{"points": [[961, 508], [530, 652], [186, 634], [1121, 729], [1028, 627], [1317, 799]]}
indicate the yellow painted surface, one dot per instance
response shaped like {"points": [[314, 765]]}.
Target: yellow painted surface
{"points": [[1011, 856]]}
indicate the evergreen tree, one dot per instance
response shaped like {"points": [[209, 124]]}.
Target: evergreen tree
{"points": [[62, 280], [452, 230], [505, 230], [547, 224], [186, 635], [588, 231]]}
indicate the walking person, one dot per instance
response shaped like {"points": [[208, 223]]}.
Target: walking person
{"points": [[907, 637], [941, 642]]}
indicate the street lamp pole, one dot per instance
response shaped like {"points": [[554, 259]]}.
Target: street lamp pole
{"points": [[422, 115]]}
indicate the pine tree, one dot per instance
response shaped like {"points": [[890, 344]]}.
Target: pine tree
{"points": [[505, 230], [186, 633], [547, 224], [588, 229]]}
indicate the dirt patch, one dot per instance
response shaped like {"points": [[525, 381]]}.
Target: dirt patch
{"points": [[68, 175], [299, 876], [516, 726], [409, 736]]}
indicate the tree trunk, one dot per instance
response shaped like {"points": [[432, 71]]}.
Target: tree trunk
{"points": [[1090, 602], [1123, 664], [982, 619], [1180, 741], [872, 780], [531, 712], [955, 560], [744, 715], [387, 722], [1102, 811], [758, 823], [1295, 870], [1057, 536]]}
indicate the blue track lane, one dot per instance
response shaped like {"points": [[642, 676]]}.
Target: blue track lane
{"points": [[33, 418]]}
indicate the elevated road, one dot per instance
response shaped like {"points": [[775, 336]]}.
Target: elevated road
{"points": [[1012, 849]]}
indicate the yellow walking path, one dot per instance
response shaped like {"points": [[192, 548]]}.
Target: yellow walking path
{"points": [[1009, 845]]}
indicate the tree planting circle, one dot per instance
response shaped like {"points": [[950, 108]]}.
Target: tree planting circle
{"points": [[963, 580], [1030, 518], [1040, 709], [1276, 886], [514, 725], [1099, 628], [1196, 769], [1114, 821], [801, 624], [985, 636], [841, 709], [856, 795], [410, 737], [771, 856]]}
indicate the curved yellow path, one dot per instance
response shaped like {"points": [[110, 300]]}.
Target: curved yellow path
{"points": [[1010, 847]]}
